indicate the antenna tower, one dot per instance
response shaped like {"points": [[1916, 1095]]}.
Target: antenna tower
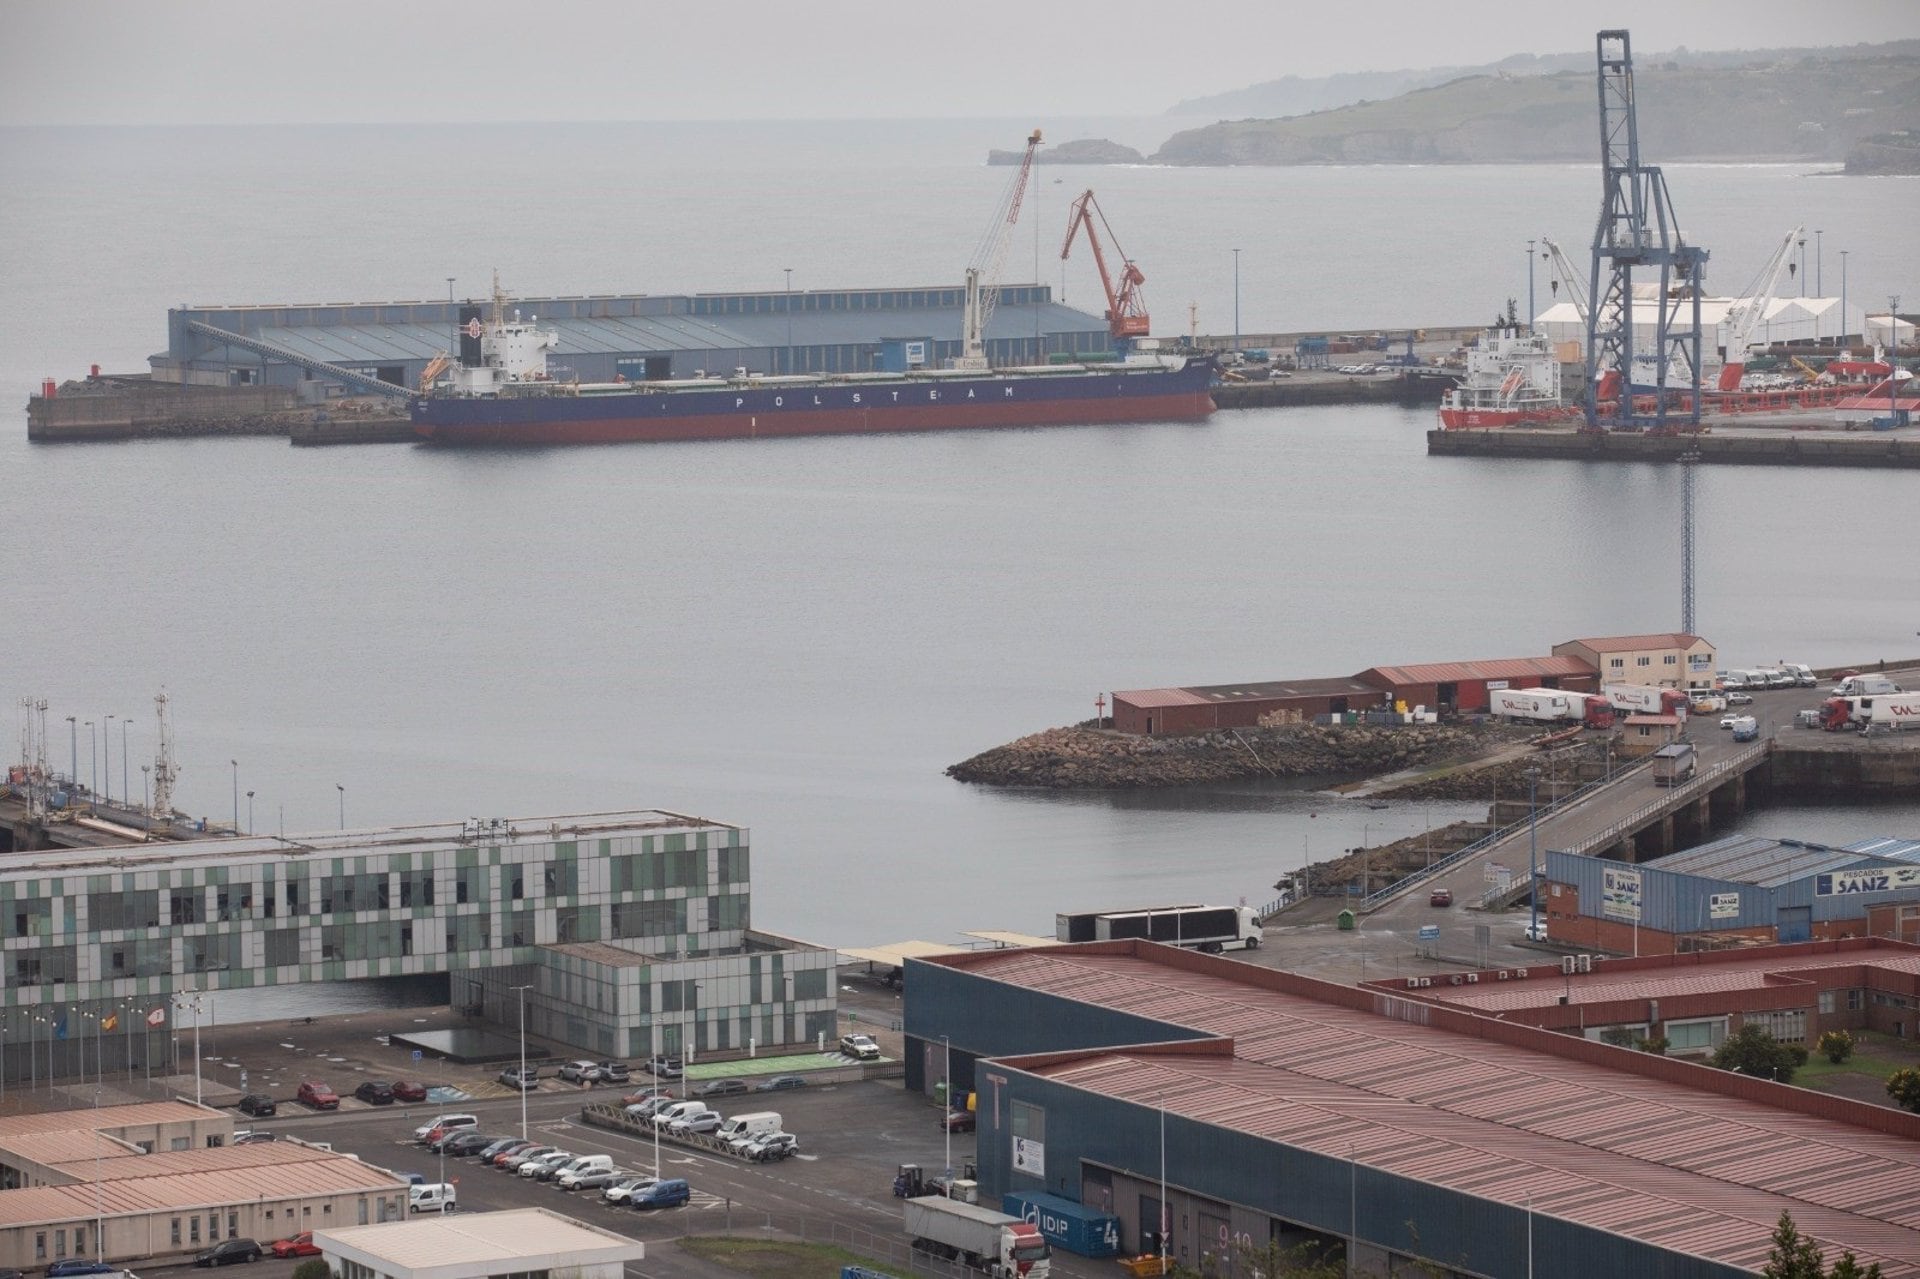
{"points": [[165, 770], [1688, 462]]}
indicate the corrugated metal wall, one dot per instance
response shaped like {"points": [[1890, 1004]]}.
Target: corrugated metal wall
{"points": [[1672, 902]]}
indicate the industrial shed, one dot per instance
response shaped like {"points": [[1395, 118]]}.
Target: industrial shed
{"points": [[1205, 708], [635, 336], [1463, 687], [1277, 1110], [1743, 890], [1695, 1000]]}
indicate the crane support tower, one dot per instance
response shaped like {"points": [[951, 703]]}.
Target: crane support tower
{"points": [[1126, 309], [1636, 229], [983, 273], [166, 771]]}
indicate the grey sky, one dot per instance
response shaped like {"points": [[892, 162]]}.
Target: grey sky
{"points": [[280, 61]]}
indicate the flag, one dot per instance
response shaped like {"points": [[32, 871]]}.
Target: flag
{"points": [[60, 1029], [158, 1017], [110, 1022]]}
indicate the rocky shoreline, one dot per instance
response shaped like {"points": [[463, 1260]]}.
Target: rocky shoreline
{"points": [[1086, 758]]}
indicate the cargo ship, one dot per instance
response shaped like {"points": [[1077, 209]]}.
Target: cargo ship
{"points": [[498, 391], [1512, 379]]}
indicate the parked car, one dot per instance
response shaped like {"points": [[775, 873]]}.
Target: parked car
{"points": [[464, 1142], [577, 1072], [670, 1193], [591, 1179], [257, 1104], [617, 1190], [301, 1245], [375, 1093], [860, 1047], [443, 1123], [500, 1156], [229, 1250], [1739, 699], [494, 1147], [959, 1121], [520, 1077], [1440, 897], [79, 1266], [639, 1095], [512, 1162], [646, 1109], [1536, 932], [772, 1146], [722, 1088], [614, 1072], [546, 1166], [665, 1067], [780, 1083], [409, 1090], [318, 1095], [1726, 721], [704, 1122], [252, 1135]]}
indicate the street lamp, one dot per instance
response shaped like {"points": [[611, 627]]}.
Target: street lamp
{"points": [[1843, 298], [789, 271], [1803, 266], [236, 795], [146, 804], [106, 751], [343, 804], [1236, 299], [93, 753], [249, 812], [179, 1002], [126, 789], [1819, 264], [450, 280], [946, 1118], [1533, 857], [1893, 356], [73, 731], [523, 1066]]}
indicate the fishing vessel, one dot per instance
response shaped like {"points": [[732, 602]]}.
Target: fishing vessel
{"points": [[498, 391], [1512, 379]]}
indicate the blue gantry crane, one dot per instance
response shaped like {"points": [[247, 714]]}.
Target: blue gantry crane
{"points": [[1637, 229]]}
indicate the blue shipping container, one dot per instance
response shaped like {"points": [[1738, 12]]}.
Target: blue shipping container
{"points": [[1067, 1224]]}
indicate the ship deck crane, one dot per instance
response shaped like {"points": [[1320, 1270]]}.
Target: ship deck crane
{"points": [[1746, 314], [1126, 309], [1636, 228], [983, 272]]}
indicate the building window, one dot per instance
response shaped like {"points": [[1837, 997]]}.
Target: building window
{"points": [[193, 1229], [40, 1241], [1702, 1035], [1853, 1001], [60, 1243], [233, 1225], [1827, 1001], [1643, 661], [1671, 660], [1617, 663]]}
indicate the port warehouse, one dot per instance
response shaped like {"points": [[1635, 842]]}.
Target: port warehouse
{"points": [[486, 1245], [1581, 666], [1694, 1000], [635, 336], [1299, 1112], [159, 1179], [1741, 890], [632, 929]]}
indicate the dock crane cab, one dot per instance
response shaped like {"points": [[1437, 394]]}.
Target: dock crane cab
{"points": [[1126, 309]]}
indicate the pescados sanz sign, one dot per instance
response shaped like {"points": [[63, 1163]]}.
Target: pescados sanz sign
{"points": [[1842, 882]]}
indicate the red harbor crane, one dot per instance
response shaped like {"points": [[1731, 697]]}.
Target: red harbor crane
{"points": [[1126, 309]]}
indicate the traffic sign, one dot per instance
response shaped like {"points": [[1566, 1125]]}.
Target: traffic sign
{"points": [[416, 1054], [1429, 932]]}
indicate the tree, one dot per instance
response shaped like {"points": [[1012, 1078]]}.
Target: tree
{"points": [[1794, 1256], [1655, 1044], [1837, 1046], [1619, 1036], [313, 1268], [1904, 1087], [1848, 1267], [1752, 1051]]}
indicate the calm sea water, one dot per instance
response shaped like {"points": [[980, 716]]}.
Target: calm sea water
{"points": [[799, 635]]}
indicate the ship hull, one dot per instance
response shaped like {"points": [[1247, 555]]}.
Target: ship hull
{"points": [[729, 413], [1465, 419]]}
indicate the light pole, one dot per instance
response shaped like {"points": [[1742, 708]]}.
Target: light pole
{"points": [[1843, 298], [1166, 1215], [1819, 264], [789, 271], [106, 753], [1236, 299], [73, 731], [93, 753], [1530, 310], [249, 812], [450, 280], [146, 804], [1893, 355], [522, 990], [126, 788], [343, 804], [236, 795], [946, 1119], [1803, 266], [180, 1000], [1533, 855]]}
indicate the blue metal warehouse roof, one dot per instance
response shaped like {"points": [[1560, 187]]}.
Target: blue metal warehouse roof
{"points": [[1770, 863]]}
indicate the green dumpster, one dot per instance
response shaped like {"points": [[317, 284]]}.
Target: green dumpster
{"points": [[1346, 921], [940, 1092]]}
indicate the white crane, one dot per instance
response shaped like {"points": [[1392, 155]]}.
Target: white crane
{"points": [[983, 272], [1747, 312], [165, 770], [1568, 278]]}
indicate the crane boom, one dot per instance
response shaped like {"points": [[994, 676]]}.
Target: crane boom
{"points": [[1569, 279], [983, 272], [1126, 309], [1747, 313]]}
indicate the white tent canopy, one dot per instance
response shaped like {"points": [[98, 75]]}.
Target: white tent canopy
{"points": [[1786, 320]]}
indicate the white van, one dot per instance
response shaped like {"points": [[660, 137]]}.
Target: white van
{"points": [[1733, 679], [569, 1177], [756, 1123], [446, 1122], [435, 1196]]}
